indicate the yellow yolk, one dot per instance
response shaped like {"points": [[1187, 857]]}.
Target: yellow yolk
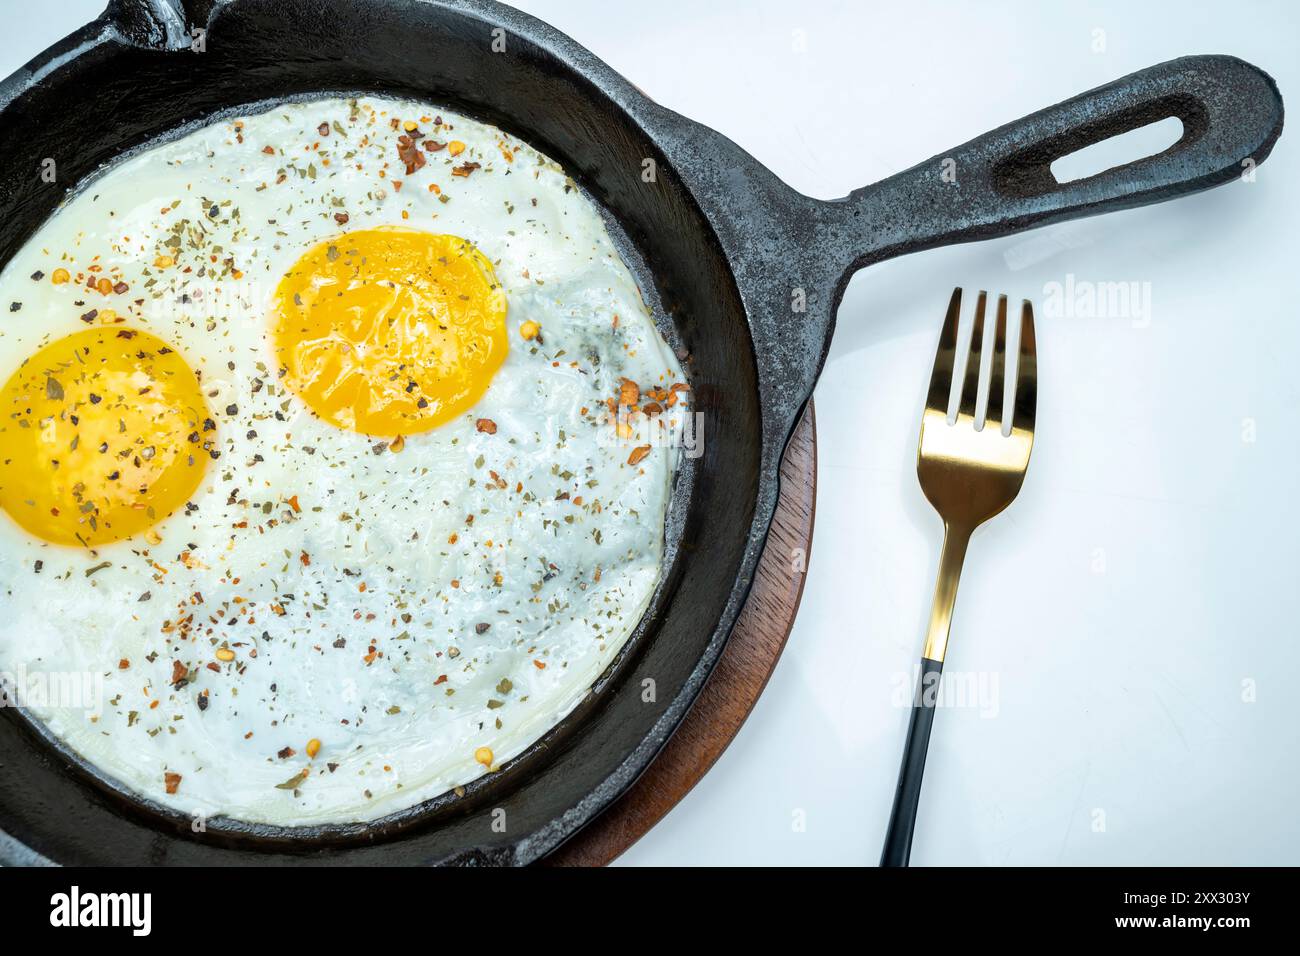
{"points": [[390, 331], [102, 434]]}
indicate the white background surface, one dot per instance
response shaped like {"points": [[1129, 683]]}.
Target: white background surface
{"points": [[1144, 582]]}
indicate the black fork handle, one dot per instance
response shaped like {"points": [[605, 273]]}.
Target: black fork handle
{"points": [[907, 794]]}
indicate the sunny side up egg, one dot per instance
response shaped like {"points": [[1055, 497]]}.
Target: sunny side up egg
{"points": [[335, 452]]}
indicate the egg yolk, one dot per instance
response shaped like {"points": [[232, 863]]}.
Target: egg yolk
{"points": [[102, 434], [390, 331]]}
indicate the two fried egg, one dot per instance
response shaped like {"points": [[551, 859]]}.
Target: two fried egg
{"points": [[336, 444]]}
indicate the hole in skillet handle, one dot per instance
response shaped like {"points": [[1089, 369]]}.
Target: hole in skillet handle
{"points": [[1029, 172], [1119, 150]]}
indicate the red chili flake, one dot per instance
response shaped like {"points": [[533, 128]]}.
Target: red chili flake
{"points": [[172, 781], [120, 288], [341, 218], [323, 129], [269, 150], [486, 425], [179, 671], [638, 454], [433, 146], [442, 679], [408, 151], [286, 753], [123, 664], [464, 169]]}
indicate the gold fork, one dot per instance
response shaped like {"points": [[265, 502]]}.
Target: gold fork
{"points": [[969, 474]]}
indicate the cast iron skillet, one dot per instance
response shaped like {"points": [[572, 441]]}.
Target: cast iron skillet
{"points": [[724, 251]]}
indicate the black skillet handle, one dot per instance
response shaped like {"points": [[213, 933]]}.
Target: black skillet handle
{"points": [[160, 24], [907, 793], [1002, 182]]}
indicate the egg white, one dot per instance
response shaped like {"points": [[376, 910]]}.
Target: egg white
{"points": [[369, 573]]}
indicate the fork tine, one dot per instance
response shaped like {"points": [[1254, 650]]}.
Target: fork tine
{"points": [[1026, 372], [993, 416], [970, 389], [945, 358]]}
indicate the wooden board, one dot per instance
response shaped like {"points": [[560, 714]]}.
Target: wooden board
{"points": [[733, 688]]}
